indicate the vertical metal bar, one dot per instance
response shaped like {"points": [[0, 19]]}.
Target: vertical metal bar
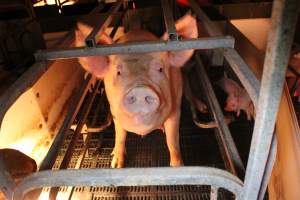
{"points": [[233, 158], [7, 184], [100, 28], [284, 18], [169, 20], [269, 167]]}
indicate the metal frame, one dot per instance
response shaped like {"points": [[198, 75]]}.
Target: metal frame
{"points": [[131, 177], [136, 47], [266, 100], [232, 157], [284, 18], [169, 20]]}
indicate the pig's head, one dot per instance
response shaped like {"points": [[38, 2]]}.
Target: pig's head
{"points": [[138, 85]]}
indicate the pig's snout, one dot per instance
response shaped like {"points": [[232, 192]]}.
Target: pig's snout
{"points": [[141, 100]]}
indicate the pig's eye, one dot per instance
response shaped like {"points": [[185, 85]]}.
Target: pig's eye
{"points": [[160, 69], [118, 73]]}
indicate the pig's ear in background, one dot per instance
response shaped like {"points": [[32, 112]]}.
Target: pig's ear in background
{"points": [[96, 65], [186, 27]]}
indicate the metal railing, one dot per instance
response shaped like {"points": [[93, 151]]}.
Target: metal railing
{"points": [[265, 98]]}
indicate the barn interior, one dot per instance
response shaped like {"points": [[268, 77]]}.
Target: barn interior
{"points": [[55, 117]]}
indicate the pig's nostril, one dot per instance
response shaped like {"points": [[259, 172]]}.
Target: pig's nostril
{"points": [[149, 99], [131, 99]]}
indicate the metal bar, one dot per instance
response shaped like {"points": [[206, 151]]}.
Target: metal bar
{"points": [[233, 158], [246, 76], [191, 99], [284, 18], [100, 28], [75, 104], [207, 23], [69, 152], [131, 177], [169, 20], [85, 110], [269, 167], [88, 139], [7, 184], [136, 47]]}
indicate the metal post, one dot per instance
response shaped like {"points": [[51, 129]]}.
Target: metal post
{"points": [[100, 28], [169, 20], [269, 167], [284, 17]]}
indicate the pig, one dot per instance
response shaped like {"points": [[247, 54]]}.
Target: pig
{"points": [[238, 99], [144, 90]]}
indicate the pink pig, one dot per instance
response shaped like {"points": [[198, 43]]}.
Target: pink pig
{"points": [[238, 98], [144, 90]]}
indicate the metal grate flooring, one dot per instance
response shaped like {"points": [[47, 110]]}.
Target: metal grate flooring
{"points": [[198, 146], [150, 151]]}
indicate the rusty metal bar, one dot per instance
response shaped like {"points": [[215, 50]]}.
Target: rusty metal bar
{"points": [[233, 159], [284, 18], [246, 76], [136, 47], [7, 184], [99, 29], [169, 20], [131, 177]]}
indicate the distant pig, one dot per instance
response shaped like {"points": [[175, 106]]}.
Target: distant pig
{"points": [[144, 90], [238, 98]]}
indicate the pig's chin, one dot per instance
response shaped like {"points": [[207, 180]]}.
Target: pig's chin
{"points": [[140, 123]]}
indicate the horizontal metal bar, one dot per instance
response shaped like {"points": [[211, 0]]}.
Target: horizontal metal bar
{"points": [[136, 47], [169, 20], [233, 159], [131, 177], [98, 30]]}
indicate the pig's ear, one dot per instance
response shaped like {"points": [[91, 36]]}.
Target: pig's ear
{"points": [[96, 65], [186, 27]]}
